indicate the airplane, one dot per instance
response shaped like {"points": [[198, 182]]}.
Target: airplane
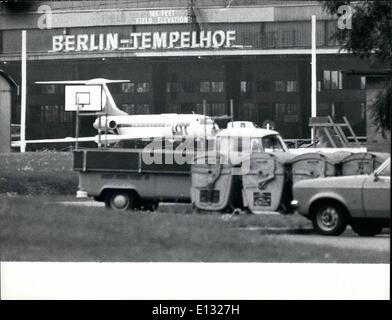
{"points": [[117, 125]]}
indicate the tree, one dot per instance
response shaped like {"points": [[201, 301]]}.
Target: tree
{"points": [[370, 37]]}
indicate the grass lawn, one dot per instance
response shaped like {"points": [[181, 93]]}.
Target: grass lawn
{"points": [[33, 229], [37, 173]]}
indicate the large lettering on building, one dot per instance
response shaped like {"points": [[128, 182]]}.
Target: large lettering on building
{"points": [[144, 40]]}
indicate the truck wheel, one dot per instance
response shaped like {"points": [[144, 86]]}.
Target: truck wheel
{"points": [[120, 200], [366, 228], [329, 219]]}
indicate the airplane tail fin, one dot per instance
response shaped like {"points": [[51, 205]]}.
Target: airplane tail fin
{"points": [[109, 106]]}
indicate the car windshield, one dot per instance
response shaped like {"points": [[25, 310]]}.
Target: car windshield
{"points": [[272, 143], [386, 172]]}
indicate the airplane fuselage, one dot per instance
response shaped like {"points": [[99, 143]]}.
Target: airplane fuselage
{"points": [[169, 125]]}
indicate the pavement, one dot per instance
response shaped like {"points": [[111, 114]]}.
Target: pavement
{"points": [[380, 243]]}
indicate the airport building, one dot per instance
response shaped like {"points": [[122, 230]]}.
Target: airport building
{"points": [[178, 53]]}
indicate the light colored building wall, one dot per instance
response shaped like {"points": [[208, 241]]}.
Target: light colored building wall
{"points": [[5, 115]]}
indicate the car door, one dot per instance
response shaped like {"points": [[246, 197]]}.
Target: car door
{"points": [[376, 194]]}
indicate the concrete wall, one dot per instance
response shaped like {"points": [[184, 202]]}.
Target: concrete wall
{"points": [[5, 115]]}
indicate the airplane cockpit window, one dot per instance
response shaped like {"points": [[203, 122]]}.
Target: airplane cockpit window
{"points": [[272, 143]]}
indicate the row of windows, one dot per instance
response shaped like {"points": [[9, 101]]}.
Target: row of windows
{"points": [[50, 114], [139, 87], [332, 80], [127, 87], [283, 112], [191, 87], [336, 110], [138, 108], [266, 86]]}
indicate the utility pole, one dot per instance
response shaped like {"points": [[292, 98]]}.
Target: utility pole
{"points": [[314, 76], [23, 95]]}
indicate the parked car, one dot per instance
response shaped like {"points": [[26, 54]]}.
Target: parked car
{"points": [[332, 203]]}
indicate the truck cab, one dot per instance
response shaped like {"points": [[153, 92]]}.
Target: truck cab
{"points": [[241, 138]]}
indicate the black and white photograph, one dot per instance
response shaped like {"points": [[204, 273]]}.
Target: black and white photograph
{"points": [[195, 149]]}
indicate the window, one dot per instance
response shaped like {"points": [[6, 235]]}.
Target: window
{"points": [[287, 112], [217, 86], [318, 86], [333, 80], [280, 86], [272, 143], [142, 108], [333, 110], [291, 108], [327, 80], [323, 109], [187, 87], [280, 111], [363, 83], [173, 87], [386, 172], [363, 111], [291, 114], [249, 112], [128, 108], [246, 86], [214, 109], [336, 80], [49, 114], [218, 109], [142, 87], [127, 87], [263, 86], [291, 86], [205, 86], [199, 108], [49, 89], [173, 108]]}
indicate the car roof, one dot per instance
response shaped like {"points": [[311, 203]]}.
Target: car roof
{"points": [[246, 132]]}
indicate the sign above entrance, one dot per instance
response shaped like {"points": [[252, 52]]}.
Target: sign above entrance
{"points": [[144, 40]]}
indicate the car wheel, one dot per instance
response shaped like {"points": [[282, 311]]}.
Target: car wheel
{"points": [[366, 229], [120, 200], [330, 219]]}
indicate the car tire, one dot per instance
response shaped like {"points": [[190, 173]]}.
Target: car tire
{"points": [[330, 219], [366, 229], [120, 200]]}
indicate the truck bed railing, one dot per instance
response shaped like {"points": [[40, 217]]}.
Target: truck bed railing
{"points": [[127, 161]]}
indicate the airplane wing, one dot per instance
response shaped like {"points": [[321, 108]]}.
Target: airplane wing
{"points": [[63, 140], [107, 138]]}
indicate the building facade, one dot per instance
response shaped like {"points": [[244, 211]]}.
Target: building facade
{"points": [[177, 54]]}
